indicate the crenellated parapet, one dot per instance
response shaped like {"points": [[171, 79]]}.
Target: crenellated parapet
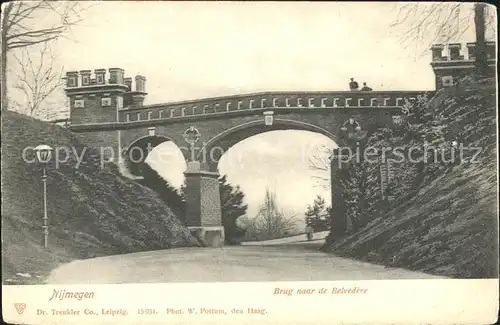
{"points": [[97, 96], [453, 61], [99, 77], [281, 101], [460, 52]]}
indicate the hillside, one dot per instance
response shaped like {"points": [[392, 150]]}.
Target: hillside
{"points": [[91, 211], [444, 220]]}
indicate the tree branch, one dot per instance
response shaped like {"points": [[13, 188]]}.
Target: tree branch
{"points": [[37, 80], [427, 23], [19, 44]]}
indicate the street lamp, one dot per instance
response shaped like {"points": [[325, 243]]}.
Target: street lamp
{"points": [[43, 155]]}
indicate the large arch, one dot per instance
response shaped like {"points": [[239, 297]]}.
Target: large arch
{"points": [[211, 152]]}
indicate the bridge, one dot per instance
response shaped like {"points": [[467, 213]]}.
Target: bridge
{"points": [[109, 113], [205, 129], [218, 123]]}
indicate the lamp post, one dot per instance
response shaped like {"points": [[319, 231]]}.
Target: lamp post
{"points": [[43, 155]]}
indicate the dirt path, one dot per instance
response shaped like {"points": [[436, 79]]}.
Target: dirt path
{"points": [[290, 262]]}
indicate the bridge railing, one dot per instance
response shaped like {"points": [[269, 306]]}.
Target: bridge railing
{"points": [[263, 101]]}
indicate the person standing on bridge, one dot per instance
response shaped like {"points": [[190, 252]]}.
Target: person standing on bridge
{"points": [[353, 85], [365, 87]]}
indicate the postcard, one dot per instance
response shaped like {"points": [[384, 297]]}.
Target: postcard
{"points": [[249, 163]]}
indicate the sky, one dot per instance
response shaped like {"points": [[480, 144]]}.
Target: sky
{"points": [[189, 50]]}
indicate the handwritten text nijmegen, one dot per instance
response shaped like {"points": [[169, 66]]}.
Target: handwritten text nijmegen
{"points": [[63, 295]]}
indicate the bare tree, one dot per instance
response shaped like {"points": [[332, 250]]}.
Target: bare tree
{"points": [[319, 162], [271, 221], [37, 79], [428, 23], [19, 29]]}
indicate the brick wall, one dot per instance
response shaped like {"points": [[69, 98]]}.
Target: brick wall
{"points": [[93, 111], [455, 73], [193, 199], [106, 142], [210, 201]]}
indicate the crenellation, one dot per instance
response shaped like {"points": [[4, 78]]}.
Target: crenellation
{"points": [[459, 62], [85, 77], [459, 52], [140, 83], [454, 51], [471, 51], [100, 76], [128, 83], [116, 76], [95, 99], [72, 79], [437, 52]]}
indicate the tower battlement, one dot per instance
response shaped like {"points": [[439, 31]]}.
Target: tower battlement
{"points": [[115, 76], [97, 96], [452, 61], [460, 52]]}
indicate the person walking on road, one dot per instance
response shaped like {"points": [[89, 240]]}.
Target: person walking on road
{"points": [[309, 232]]}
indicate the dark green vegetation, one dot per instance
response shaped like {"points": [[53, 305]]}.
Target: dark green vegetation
{"points": [[443, 219], [232, 206], [92, 211], [318, 214]]}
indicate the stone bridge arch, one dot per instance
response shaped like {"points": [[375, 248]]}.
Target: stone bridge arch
{"points": [[211, 152], [136, 152]]}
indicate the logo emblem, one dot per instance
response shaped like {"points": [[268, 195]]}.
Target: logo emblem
{"points": [[351, 126], [191, 135], [20, 307]]}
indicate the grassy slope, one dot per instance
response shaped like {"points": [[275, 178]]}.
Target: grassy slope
{"points": [[92, 211], [450, 225]]}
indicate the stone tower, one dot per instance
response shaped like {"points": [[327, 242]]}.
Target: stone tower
{"points": [[456, 62], [95, 99]]}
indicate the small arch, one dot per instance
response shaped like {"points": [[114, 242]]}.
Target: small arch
{"points": [[138, 150], [156, 138]]}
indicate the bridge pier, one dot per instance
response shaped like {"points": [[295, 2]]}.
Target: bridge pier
{"points": [[203, 210], [338, 221]]}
